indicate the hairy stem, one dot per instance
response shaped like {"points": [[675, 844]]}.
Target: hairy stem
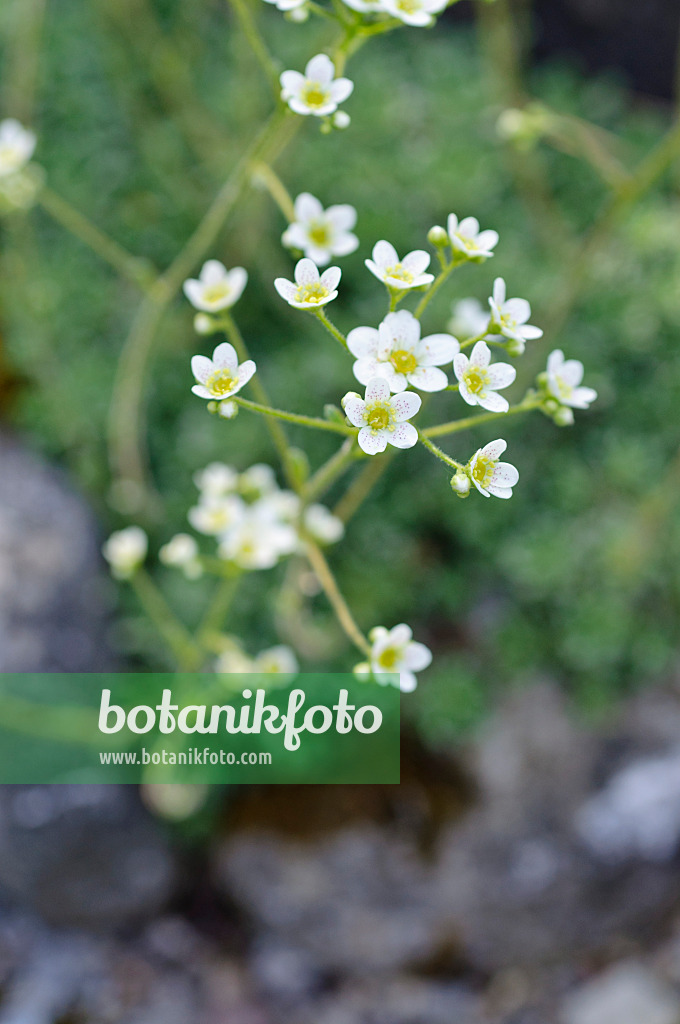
{"points": [[337, 601], [473, 421], [293, 417], [186, 651]]}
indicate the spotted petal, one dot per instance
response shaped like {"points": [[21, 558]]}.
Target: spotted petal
{"points": [[306, 272], [404, 435], [363, 342], [377, 390], [370, 442], [406, 405], [437, 349], [201, 367]]}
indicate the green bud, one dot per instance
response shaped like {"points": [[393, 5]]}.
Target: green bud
{"points": [[332, 413], [299, 464], [438, 236], [460, 484]]}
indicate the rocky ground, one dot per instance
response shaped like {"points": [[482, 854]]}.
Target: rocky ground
{"points": [[532, 879]]}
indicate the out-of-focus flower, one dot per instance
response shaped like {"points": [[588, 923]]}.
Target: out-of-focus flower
{"points": [[182, 553], [125, 551], [309, 290], [383, 418], [396, 273], [563, 377], [396, 352], [395, 651], [216, 513], [469, 319], [17, 145], [479, 381], [221, 376], [321, 234], [216, 479], [468, 240], [510, 317], [418, 13], [322, 525], [317, 91], [491, 476], [215, 289], [257, 542]]}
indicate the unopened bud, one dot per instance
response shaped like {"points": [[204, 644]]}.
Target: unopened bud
{"points": [[564, 417], [438, 236], [204, 324], [228, 410], [341, 120], [460, 483], [515, 346]]}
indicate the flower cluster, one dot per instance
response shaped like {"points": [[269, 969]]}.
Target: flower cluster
{"points": [[20, 180]]}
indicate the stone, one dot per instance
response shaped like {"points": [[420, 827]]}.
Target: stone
{"points": [[628, 993]]}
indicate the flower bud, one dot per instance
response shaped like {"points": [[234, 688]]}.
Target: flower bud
{"points": [[228, 410], [438, 236], [341, 120], [460, 483], [564, 417], [515, 347], [298, 14], [204, 324]]}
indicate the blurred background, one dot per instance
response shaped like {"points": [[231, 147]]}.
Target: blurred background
{"points": [[526, 871]]}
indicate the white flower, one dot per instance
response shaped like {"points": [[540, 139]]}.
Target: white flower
{"points": [[491, 476], [257, 481], [182, 553], [125, 551], [564, 381], [257, 542], [479, 381], [396, 352], [216, 513], [363, 6], [216, 288], [316, 92], [287, 5], [510, 316], [221, 376], [309, 291], [216, 479], [321, 233], [233, 660], [17, 146], [382, 417], [466, 237], [396, 273], [413, 12], [279, 660], [469, 319], [322, 525], [395, 650]]}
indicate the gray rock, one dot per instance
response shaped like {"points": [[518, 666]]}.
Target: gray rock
{"points": [[628, 993], [52, 587]]}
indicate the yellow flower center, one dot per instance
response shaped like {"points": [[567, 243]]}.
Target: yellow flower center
{"points": [[403, 361], [388, 658], [319, 233], [315, 292], [314, 94], [216, 292], [508, 321], [399, 273], [483, 470], [475, 379], [221, 383], [379, 416]]}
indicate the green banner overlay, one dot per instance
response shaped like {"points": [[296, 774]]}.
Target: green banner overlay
{"points": [[198, 728]]}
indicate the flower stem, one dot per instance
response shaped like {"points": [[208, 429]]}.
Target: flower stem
{"points": [[442, 456], [216, 613], [138, 271], [292, 417], [473, 421], [186, 651], [362, 485], [434, 288], [338, 603], [257, 44], [331, 328], [267, 176], [329, 472], [469, 342]]}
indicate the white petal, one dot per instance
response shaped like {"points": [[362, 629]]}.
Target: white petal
{"points": [[401, 330], [238, 279], [416, 262], [377, 390], [452, 224], [384, 255], [343, 217], [404, 435], [363, 342], [407, 681], [518, 310], [345, 243], [202, 392], [354, 411], [530, 333], [194, 292], [505, 475], [245, 372], [501, 375], [406, 405], [460, 365], [370, 442], [399, 635], [307, 208], [286, 289], [320, 69], [494, 449], [417, 656], [224, 357], [201, 367], [469, 227], [331, 278], [493, 402], [572, 372], [487, 240], [291, 83], [481, 355], [500, 492], [306, 272], [499, 291], [341, 89], [428, 378], [582, 397], [437, 349]]}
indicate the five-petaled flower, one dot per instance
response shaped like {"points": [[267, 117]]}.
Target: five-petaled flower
{"points": [[317, 91], [381, 417], [396, 273], [394, 651], [414, 12], [320, 233], [479, 382], [17, 145], [396, 352], [216, 288], [310, 289], [510, 316], [564, 378], [488, 474], [221, 376], [467, 239]]}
